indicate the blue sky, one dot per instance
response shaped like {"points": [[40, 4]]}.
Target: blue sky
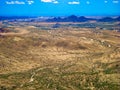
{"points": [[59, 7]]}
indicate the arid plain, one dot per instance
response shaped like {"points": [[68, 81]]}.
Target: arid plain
{"points": [[59, 56]]}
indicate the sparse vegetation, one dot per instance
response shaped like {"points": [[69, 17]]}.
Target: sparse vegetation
{"points": [[64, 58]]}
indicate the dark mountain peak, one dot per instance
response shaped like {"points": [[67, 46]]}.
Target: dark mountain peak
{"points": [[72, 16], [82, 17], [107, 18]]}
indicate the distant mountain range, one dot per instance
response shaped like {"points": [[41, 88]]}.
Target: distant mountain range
{"points": [[109, 19], [71, 18], [74, 18]]}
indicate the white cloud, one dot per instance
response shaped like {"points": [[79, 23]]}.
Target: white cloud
{"points": [[50, 1], [55, 2], [74, 2], [15, 2], [105, 1], [46, 0], [87, 2], [115, 1], [30, 2]]}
